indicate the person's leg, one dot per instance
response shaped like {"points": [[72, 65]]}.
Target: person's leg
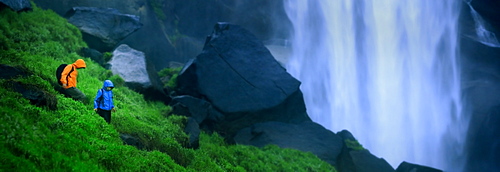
{"points": [[107, 117], [105, 114], [76, 94]]}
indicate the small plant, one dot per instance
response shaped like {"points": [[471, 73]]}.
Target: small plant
{"points": [[107, 56], [117, 80], [353, 144], [157, 8], [169, 77]]}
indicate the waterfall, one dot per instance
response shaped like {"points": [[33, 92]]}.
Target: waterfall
{"points": [[386, 70]]}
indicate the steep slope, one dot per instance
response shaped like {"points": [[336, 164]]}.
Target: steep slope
{"points": [[66, 135]]}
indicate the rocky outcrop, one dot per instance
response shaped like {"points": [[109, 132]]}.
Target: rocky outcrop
{"points": [[306, 136], [480, 65], [35, 95], [131, 65], [488, 9], [409, 167], [16, 5], [9, 72], [93, 54], [241, 79], [236, 88], [103, 28], [193, 130], [484, 146], [174, 28], [354, 157], [132, 141]]}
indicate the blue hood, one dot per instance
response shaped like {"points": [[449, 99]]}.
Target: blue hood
{"points": [[108, 83], [104, 98]]}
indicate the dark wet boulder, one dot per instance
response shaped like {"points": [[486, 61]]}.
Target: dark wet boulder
{"points": [[200, 113], [484, 144], [193, 130], [356, 158], [189, 106], [238, 75], [103, 28], [37, 96], [409, 167], [93, 54], [8, 72], [307, 137], [16, 5], [132, 141]]}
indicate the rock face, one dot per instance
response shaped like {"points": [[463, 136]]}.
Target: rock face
{"points": [[174, 28], [409, 167], [130, 64], [235, 63], [354, 157], [17, 5], [306, 136], [480, 65], [103, 28], [35, 95], [242, 80], [93, 54]]}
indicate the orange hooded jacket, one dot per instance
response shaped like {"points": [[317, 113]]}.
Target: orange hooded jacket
{"points": [[70, 80]]}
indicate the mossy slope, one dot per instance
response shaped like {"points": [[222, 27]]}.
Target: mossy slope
{"points": [[75, 138]]}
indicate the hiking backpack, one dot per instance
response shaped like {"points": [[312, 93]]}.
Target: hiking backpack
{"points": [[59, 71]]}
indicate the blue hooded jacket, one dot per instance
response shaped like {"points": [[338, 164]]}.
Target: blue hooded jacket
{"points": [[104, 98]]}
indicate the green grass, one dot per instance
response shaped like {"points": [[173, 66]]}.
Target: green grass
{"points": [[353, 144], [172, 74], [75, 138]]}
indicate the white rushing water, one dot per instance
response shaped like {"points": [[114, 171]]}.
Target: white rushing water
{"points": [[386, 70]]}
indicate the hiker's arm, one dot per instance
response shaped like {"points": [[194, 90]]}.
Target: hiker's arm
{"points": [[96, 99], [64, 74]]}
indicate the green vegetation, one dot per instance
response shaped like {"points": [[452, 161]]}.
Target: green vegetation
{"points": [[75, 138], [169, 77], [157, 6], [353, 144], [107, 56]]}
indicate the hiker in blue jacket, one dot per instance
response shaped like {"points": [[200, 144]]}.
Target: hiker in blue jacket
{"points": [[103, 101]]}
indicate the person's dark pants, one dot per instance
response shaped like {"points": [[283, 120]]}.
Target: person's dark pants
{"points": [[106, 114], [76, 94]]}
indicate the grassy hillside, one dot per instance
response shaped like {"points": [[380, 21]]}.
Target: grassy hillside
{"points": [[75, 138]]}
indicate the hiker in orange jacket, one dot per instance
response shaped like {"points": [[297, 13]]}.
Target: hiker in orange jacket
{"points": [[69, 80]]}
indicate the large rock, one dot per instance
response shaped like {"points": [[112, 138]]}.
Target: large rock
{"points": [[483, 144], [356, 158], [199, 110], [409, 167], [37, 96], [180, 26], [131, 65], [480, 65], [307, 137], [489, 10], [103, 28], [241, 79], [17, 5], [9, 72], [93, 54]]}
